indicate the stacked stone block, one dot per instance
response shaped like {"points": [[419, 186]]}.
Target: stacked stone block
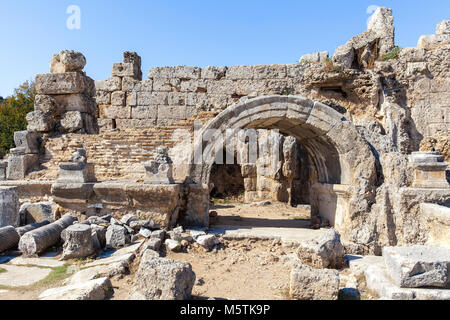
{"points": [[25, 156], [113, 96], [65, 98]]}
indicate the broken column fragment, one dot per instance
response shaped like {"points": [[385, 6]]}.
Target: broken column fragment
{"points": [[9, 238], [159, 170], [30, 227], [79, 242], [36, 241]]}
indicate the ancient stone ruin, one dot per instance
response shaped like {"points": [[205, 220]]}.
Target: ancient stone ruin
{"points": [[360, 139]]}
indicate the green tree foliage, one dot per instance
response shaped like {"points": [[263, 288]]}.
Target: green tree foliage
{"points": [[13, 113]]}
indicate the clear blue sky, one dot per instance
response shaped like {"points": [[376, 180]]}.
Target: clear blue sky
{"points": [[196, 32]]}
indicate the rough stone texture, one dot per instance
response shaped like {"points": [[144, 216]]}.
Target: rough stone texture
{"points": [[314, 57], [207, 241], [67, 61], [116, 236], [128, 218], [443, 27], [20, 164], [72, 121], [98, 289], [323, 252], [29, 140], [313, 284], [145, 233], [173, 245], [9, 238], [378, 281], [78, 242], [437, 219], [9, 207], [154, 244], [418, 266], [162, 279], [37, 212], [364, 49], [3, 166]]}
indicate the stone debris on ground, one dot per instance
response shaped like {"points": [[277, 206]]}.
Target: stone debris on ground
{"points": [[162, 279], [97, 289]]}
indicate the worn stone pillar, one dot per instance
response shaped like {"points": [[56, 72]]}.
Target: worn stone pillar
{"points": [[25, 156], [9, 207], [74, 186], [3, 166], [429, 170]]}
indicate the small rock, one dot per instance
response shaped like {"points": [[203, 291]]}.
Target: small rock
{"points": [[116, 236], [160, 234], [207, 241], [184, 243], [173, 245], [324, 252], [154, 244], [261, 204], [145, 233], [148, 224], [213, 214]]}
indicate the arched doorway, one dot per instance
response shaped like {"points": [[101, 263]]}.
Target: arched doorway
{"points": [[345, 165]]}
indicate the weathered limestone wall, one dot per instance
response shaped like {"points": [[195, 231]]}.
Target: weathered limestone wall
{"points": [[367, 111], [400, 103]]}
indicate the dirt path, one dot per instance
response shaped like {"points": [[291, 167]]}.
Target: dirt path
{"points": [[243, 269]]}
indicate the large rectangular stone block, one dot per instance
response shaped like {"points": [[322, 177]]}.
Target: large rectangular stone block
{"points": [[172, 112], [75, 102], [144, 112], [109, 85], [9, 207], [76, 172], [126, 70], [28, 140], [61, 83], [20, 164], [418, 266]]}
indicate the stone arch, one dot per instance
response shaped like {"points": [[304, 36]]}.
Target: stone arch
{"points": [[343, 159]]}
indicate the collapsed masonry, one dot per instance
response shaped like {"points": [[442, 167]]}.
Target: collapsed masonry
{"points": [[350, 129]]}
